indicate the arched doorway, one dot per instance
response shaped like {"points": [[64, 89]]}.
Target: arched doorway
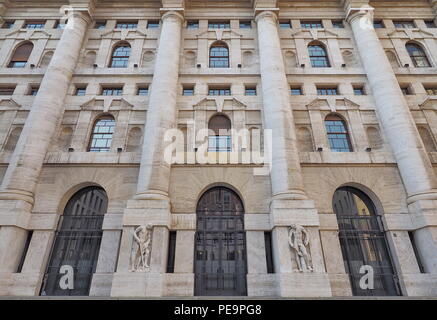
{"points": [[77, 243], [220, 256], [363, 243]]}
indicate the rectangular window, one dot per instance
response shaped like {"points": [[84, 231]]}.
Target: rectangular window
{"points": [[100, 25], [219, 24], [378, 24], [112, 91], [188, 91], [193, 24], [284, 24], [269, 252], [8, 24], [416, 252], [250, 91], [359, 91], [153, 24], [406, 90], [33, 91], [431, 91], [311, 24], [60, 24], [126, 25], [327, 91], [245, 24], [143, 91], [7, 91], [296, 91], [337, 24], [404, 24], [222, 91], [25, 250], [430, 24], [34, 24], [80, 91], [171, 251]]}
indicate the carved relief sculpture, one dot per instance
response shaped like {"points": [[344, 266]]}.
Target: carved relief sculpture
{"points": [[142, 247], [298, 239]]}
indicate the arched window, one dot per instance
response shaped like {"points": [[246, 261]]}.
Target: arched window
{"points": [[101, 138], [363, 242], [338, 135], [418, 55], [77, 243], [219, 134], [219, 55], [318, 56], [120, 56], [21, 55]]}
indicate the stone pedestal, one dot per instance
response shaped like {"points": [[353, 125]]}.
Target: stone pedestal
{"points": [[290, 281], [127, 283]]}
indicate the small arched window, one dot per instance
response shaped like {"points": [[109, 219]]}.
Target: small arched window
{"points": [[418, 56], [219, 134], [338, 135], [101, 137], [318, 56], [21, 55], [120, 56], [219, 55]]}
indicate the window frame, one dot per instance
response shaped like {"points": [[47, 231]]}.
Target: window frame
{"points": [[123, 59], [105, 117], [418, 59], [315, 58], [219, 61], [330, 135]]}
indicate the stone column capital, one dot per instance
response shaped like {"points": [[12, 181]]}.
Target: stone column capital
{"points": [[266, 13], [364, 12], [70, 12], [175, 13]]}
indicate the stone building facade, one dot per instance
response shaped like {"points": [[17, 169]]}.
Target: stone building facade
{"points": [[343, 93]]}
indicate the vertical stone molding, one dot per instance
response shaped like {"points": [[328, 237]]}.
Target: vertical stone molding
{"points": [[393, 111], [20, 180], [154, 173], [285, 172]]}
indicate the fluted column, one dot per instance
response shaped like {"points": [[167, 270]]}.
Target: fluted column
{"points": [[398, 124], [285, 173], [154, 176], [20, 180]]}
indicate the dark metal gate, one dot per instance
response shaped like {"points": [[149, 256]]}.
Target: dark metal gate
{"points": [[363, 243], [220, 257], [77, 243]]}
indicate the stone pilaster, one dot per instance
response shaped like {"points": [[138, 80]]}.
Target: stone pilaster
{"points": [[289, 203], [151, 203], [393, 112], [20, 180]]}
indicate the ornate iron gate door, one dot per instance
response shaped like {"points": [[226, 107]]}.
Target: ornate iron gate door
{"points": [[220, 257], [77, 243], [363, 243]]}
